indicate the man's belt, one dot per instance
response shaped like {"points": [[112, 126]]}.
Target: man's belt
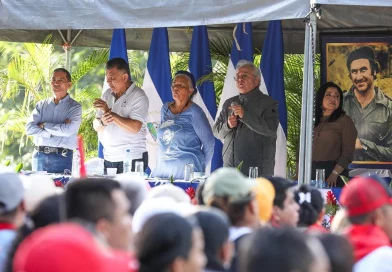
{"points": [[50, 149]]}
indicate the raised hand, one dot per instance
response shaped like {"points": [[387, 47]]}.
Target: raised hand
{"points": [[100, 104], [237, 110]]}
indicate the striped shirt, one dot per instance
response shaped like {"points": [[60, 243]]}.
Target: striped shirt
{"points": [[56, 133]]}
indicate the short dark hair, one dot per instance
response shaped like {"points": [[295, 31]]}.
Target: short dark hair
{"points": [[363, 52], [339, 251], [264, 249], [309, 212], [215, 226], [319, 104], [235, 211], [199, 193], [48, 211], [67, 74], [91, 199], [281, 186], [157, 248], [119, 64]]}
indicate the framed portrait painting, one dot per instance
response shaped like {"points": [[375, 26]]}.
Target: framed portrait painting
{"points": [[361, 64]]}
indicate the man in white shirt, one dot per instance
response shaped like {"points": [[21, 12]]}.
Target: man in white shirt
{"points": [[121, 117]]}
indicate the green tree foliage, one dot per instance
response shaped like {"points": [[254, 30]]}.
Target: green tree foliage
{"points": [[25, 79], [293, 76], [25, 72]]}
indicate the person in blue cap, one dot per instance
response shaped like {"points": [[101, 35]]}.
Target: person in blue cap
{"points": [[184, 135]]}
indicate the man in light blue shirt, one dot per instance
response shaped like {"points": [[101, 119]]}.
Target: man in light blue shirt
{"points": [[54, 124]]}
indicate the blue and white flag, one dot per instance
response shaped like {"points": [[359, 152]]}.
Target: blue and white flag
{"points": [[118, 49], [157, 86], [271, 67], [200, 65], [242, 49]]}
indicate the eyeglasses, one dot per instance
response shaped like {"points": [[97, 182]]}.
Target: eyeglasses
{"points": [[243, 77]]}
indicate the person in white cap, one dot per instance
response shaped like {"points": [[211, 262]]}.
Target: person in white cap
{"points": [[12, 211]]}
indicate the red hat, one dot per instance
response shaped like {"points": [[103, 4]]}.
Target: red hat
{"points": [[66, 247], [365, 194]]}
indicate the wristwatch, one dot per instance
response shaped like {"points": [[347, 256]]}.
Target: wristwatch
{"points": [[335, 172]]}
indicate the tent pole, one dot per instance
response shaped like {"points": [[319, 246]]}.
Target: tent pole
{"points": [[302, 141], [67, 48], [305, 150], [310, 103]]}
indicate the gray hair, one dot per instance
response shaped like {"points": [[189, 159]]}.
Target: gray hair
{"points": [[247, 63]]}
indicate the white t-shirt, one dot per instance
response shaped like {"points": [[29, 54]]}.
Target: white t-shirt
{"points": [[379, 260], [115, 140]]}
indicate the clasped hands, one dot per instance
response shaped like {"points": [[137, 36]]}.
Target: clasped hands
{"points": [[237, 111], [107, 113]]}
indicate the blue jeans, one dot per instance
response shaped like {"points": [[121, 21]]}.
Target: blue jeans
{"points": [[52, 162]]}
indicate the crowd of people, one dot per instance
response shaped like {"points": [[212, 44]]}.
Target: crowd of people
{"points": [[232, 224]]}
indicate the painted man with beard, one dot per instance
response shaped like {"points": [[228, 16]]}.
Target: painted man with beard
{"points": [[369, 108]]}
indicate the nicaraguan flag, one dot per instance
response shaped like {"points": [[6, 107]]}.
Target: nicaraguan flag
{"points": [[157, 86], [271, 67], [200, 65], [118, 49], [242, 49]]}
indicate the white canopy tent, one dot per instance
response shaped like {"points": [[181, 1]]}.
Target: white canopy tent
{"points": [[98, 14], [33, 20]]}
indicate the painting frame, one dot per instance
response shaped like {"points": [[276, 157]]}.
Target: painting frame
{"points": [[335, 49]]}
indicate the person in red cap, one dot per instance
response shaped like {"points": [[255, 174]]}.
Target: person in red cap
{"points": [[368, 202], [66, 247]]}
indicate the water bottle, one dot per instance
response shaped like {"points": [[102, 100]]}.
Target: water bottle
{"points": [[127, 163], [76, 164]]}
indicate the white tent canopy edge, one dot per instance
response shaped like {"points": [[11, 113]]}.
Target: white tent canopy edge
{"points": [[97, 14], [373, 3]]}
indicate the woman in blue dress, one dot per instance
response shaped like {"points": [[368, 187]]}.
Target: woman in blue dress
{"points": [[185, 135]]}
